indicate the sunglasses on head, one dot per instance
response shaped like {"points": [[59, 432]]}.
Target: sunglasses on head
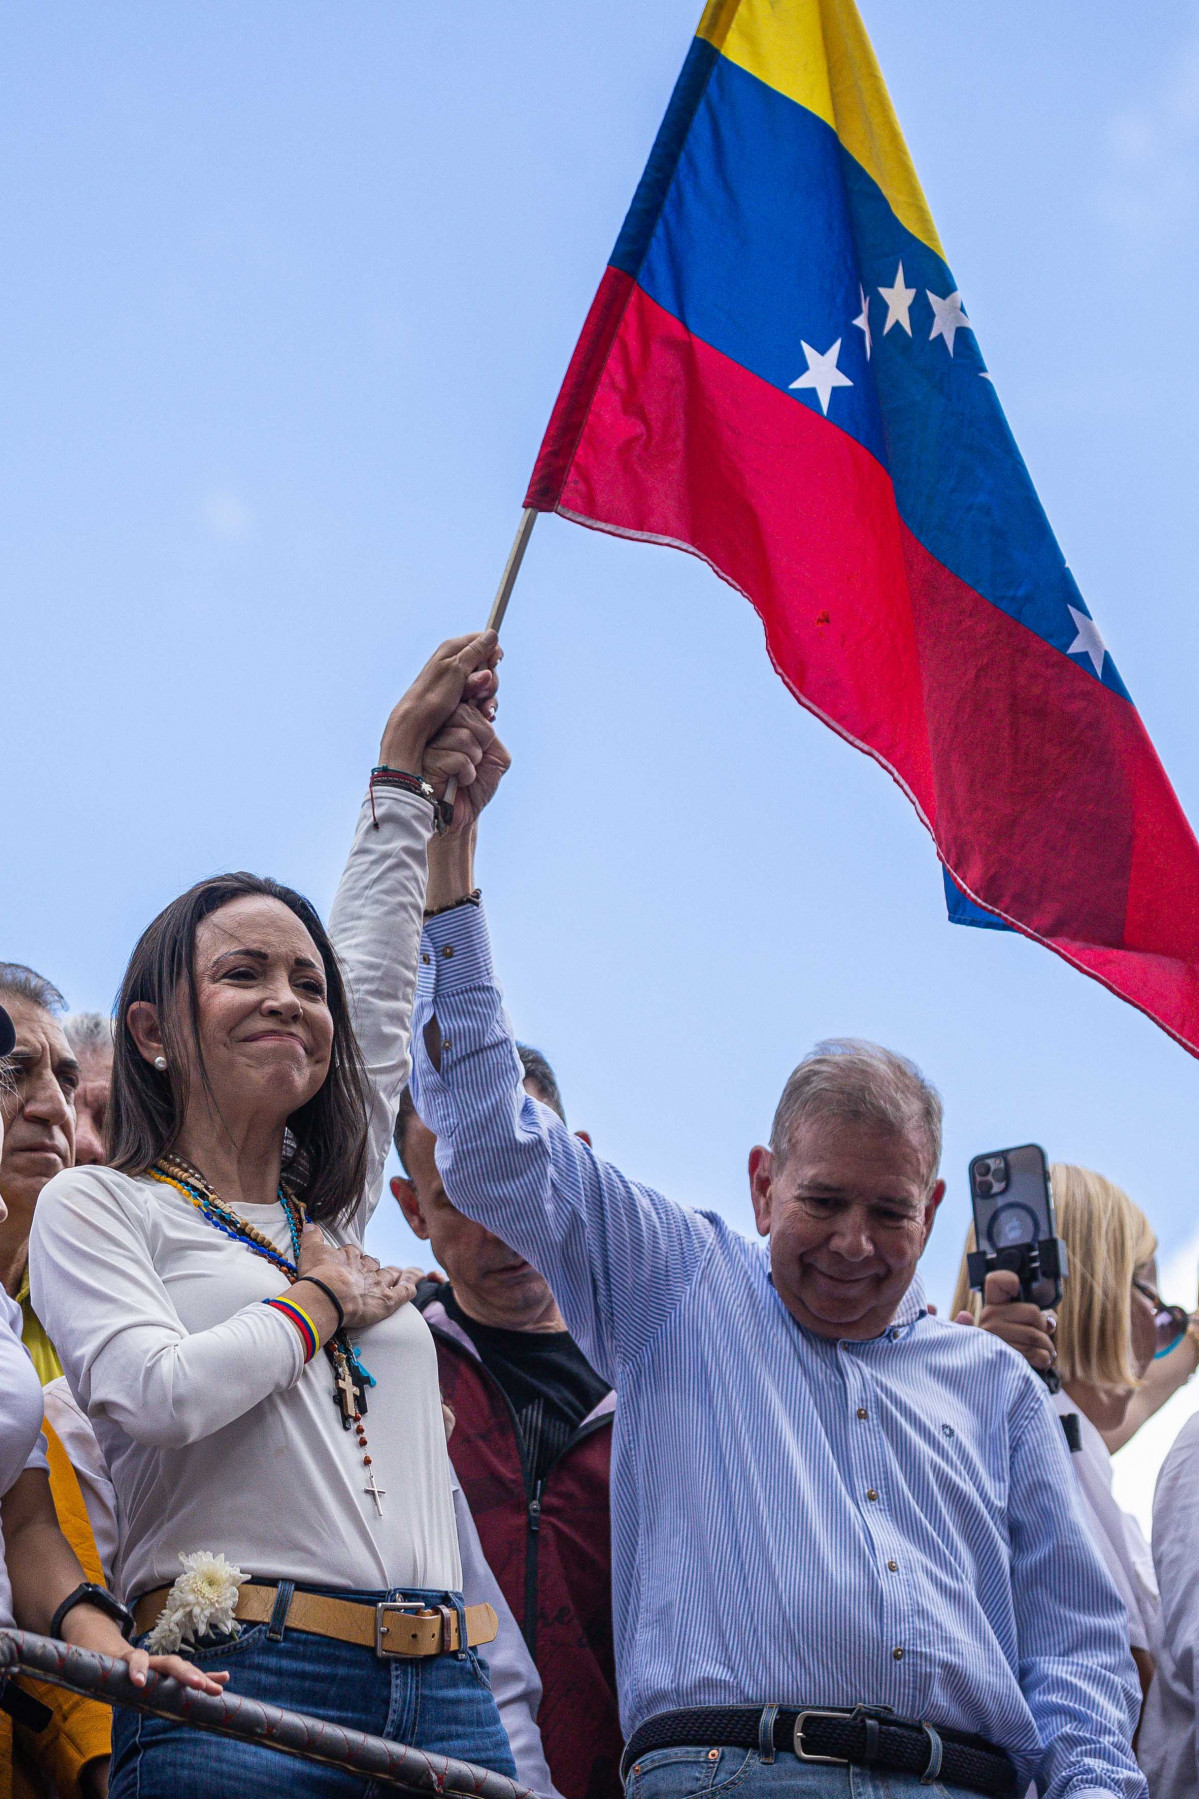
{"points": [[1170, 1323]]}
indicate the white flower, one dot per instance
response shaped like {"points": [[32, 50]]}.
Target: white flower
{"points": [[201, 1600]]}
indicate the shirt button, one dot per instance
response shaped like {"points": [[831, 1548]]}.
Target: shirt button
{"points": [[897, 1654], [870, 1493], [447, 949], [895, 1339], [445, 1043], [862, 1412], [894, 1567]]}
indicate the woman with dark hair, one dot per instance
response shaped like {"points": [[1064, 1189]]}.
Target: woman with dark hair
{"points": [[266, 1399]]}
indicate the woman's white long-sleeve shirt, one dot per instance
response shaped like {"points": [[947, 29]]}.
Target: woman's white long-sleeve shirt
{"points": [[215, 1433], [514, 1677]]}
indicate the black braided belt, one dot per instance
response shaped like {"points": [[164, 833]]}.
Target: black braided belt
{"points": [[868, 1736]]}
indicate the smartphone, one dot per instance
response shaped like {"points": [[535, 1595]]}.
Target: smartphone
{"points": [[1012, 1199]]}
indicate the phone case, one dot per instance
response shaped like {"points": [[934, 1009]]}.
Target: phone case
{"points": [[1012, 1199]]}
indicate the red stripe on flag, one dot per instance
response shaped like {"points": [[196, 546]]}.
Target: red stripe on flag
{"points": [[1048, 804], [574, 397], [685, 446]]}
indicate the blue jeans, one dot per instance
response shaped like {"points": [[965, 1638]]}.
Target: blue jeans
{"points": [[743, 1774], [442, 1703]]}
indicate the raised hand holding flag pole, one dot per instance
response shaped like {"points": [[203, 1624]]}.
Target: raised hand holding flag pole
{"points": [[778, 373]]}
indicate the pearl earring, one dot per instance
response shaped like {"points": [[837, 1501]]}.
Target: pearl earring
{"points": [[160, 1062]]}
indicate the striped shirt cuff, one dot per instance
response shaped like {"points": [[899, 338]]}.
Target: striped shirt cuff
{"points": [[455, 952]]}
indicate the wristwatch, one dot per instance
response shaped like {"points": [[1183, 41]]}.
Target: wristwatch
{"points": [[104, 1601]]}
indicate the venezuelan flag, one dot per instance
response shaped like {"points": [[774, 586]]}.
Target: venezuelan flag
{"points": [[779, 374]]}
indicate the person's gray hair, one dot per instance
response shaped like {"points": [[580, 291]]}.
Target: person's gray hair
{"points": [[861, 1083], [89, 1033], [20, 982]]}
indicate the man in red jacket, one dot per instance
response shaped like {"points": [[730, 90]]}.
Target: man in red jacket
{"points": [[532, 1447]]}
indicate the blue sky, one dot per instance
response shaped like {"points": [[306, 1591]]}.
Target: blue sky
{"points": [[289, 290]]}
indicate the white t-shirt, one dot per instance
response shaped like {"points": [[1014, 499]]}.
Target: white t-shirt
{"points": [[1117, 1534], [21, 1442], [1169, 1750], [215, 1433]]}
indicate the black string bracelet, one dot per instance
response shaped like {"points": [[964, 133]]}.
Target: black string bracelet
{"points": [[330, 1295]]}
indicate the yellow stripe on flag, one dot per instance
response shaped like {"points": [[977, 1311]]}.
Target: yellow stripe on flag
{"points": [[817, 53]]}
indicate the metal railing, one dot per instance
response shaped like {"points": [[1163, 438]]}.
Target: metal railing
{"points": [[250, 1721]]}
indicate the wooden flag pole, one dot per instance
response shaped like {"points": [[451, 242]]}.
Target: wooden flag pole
{"points": [[499, 605], [516, 556]]}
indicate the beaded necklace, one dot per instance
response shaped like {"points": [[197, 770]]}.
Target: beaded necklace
{"points": [[350, 1378]]}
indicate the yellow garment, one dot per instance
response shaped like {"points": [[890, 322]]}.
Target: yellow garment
{"points": [[42, 1352], [80, 1729]]}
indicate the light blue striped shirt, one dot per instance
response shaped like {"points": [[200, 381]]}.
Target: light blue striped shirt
{"points": [[794, 1520]]}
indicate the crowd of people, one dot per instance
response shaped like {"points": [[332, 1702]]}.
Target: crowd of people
{"points": [[616, 1500]]}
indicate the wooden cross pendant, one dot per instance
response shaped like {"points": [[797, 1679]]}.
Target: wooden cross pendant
{"points": [[378, 1494], [345, 1393]]}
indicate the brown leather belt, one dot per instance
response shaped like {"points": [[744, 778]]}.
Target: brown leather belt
{"points": [[394, 1627]]}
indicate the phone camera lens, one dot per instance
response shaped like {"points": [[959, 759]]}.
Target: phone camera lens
{"points": [[985, 1187]]}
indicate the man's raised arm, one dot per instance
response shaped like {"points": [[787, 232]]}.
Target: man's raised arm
{"points": [[618, 1256]]}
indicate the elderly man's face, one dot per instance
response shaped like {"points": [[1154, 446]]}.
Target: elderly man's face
{"points": [[39, 1113], [848, 1213], [91, 1104]]}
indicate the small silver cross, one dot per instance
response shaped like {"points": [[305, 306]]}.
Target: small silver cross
{"points": [[378, 1494]]}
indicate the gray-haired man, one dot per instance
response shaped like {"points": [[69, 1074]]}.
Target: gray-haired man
{"points": [[90, 1036], [845, 1533]]}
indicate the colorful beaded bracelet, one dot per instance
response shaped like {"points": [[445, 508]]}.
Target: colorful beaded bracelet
{"points": [[414, 784]]}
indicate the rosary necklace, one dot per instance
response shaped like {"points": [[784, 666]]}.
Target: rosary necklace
{"points": [[350, 1378]]}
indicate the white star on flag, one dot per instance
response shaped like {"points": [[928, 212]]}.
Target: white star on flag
{"points": [[863, 320], [1088, 642], [948, 317], [822, 373], [899, 301]]}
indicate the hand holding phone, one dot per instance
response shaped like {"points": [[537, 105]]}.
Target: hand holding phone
{"points": [[1020, 1261], [1015, 1321]]}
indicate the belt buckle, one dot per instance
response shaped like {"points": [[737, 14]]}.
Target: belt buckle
{"points": [[836, 1761], [392, 1605]]}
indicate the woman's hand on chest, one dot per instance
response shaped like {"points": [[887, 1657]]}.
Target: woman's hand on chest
{"points": [[365, 1291]]}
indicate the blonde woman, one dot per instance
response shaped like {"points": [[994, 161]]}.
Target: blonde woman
{"points": [[1110, 1330]]}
